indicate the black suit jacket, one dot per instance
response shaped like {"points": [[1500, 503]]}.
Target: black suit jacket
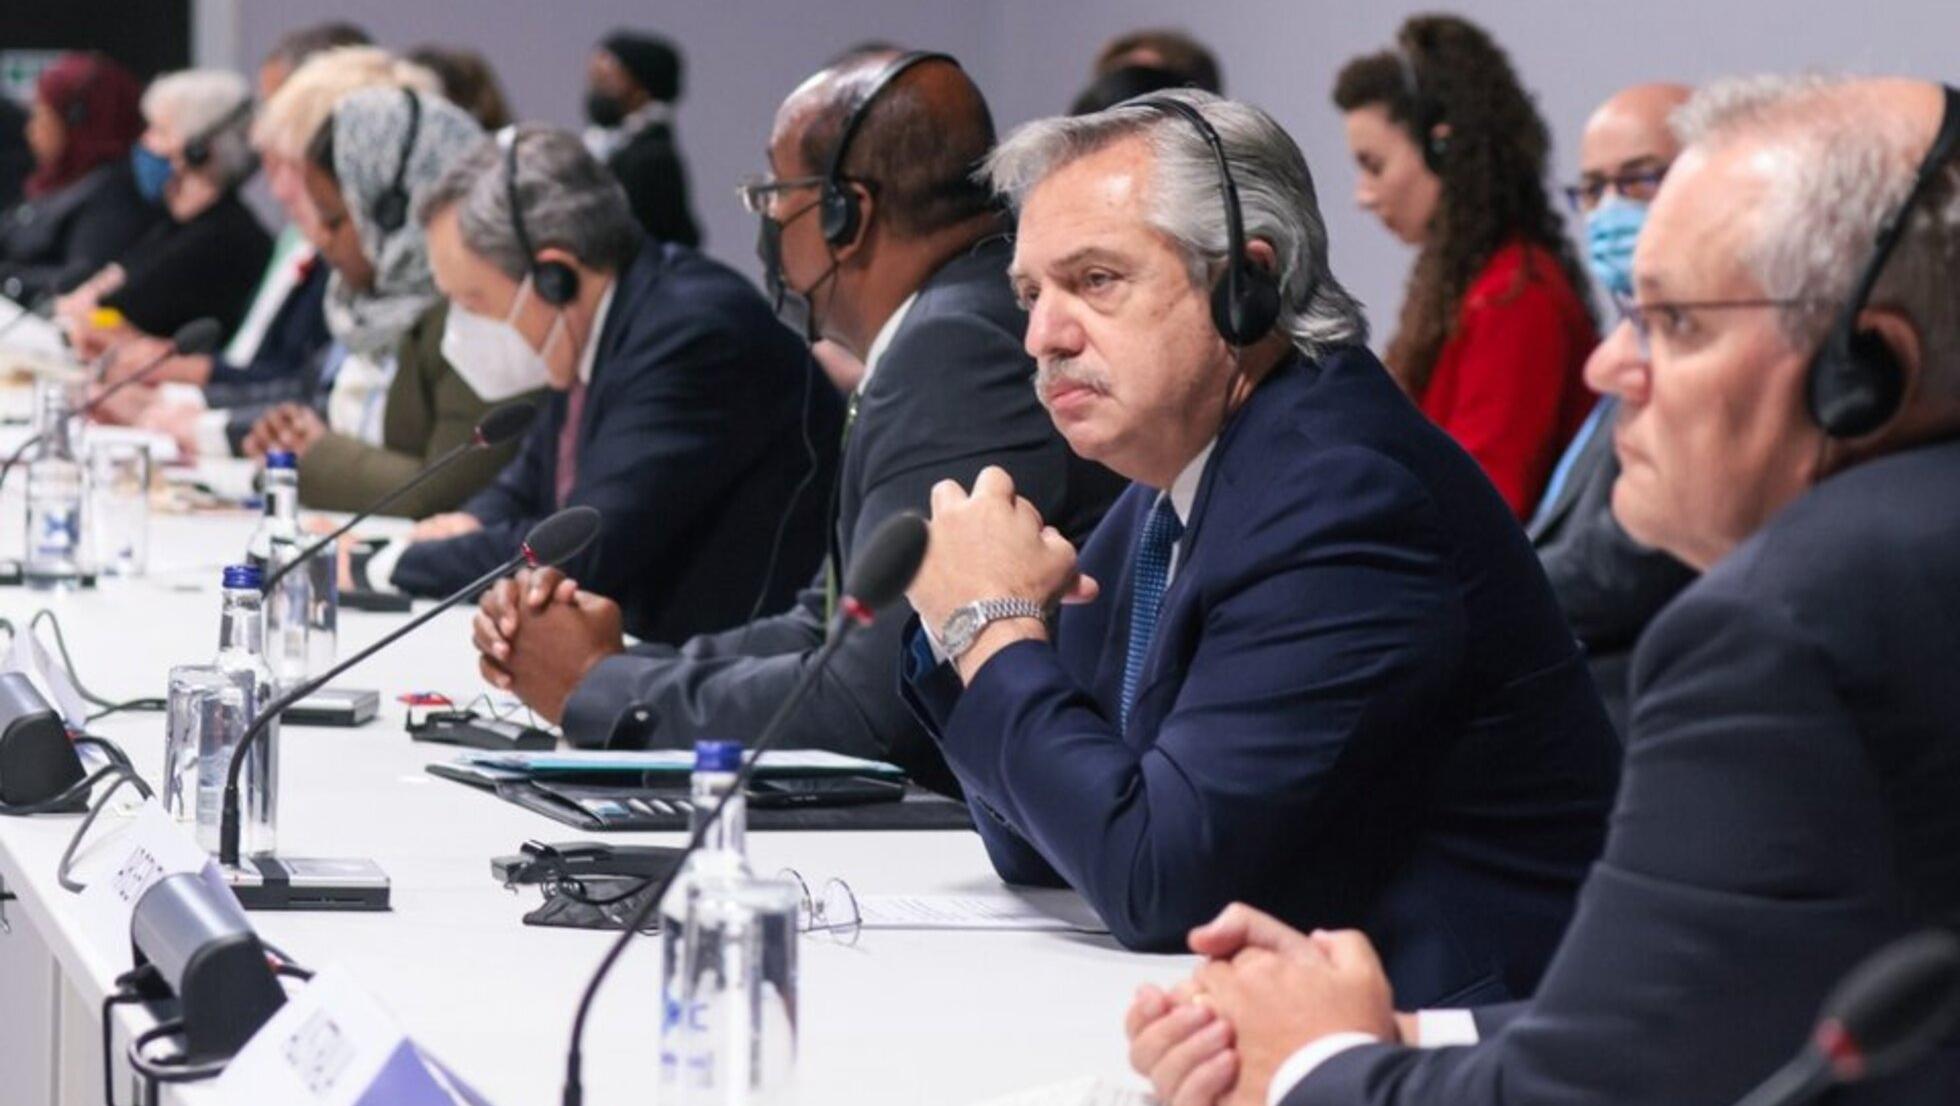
{"points": [[691, 447], [1360, 706], [56, 239], [952, 394], [1790, 801], [649, 167], [1609, 585]]}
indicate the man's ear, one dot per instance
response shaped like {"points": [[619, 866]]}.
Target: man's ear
{"points": [[1262, 255]]}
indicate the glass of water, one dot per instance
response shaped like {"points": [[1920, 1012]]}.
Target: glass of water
{"points": [[119, 506], [202, 697]]}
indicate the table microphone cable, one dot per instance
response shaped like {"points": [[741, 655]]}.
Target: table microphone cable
{"points": [[108, 706]]}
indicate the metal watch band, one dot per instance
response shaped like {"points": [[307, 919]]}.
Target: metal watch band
{"points": [[963, 628]]}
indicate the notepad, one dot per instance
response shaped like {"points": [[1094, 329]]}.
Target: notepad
{"points": [[1062, 911]]}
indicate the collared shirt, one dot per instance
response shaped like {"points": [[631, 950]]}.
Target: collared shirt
{"points": [[590, 354], [883, 341], [1184, 495]]}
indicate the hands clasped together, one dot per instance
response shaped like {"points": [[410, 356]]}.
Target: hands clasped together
{"points": [[538, 634]]}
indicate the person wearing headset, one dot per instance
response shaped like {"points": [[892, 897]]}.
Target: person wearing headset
{"points": [[204, 257], [697, 426], [81, 208], [1495, 327], [1308, 654], [875, 237], [1790, 802]]}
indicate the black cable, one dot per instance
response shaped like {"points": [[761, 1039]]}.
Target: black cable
{"points": [[126, 991], [789, 512], [169, 1069], [63, 872], [68, 662], [78, 790]]}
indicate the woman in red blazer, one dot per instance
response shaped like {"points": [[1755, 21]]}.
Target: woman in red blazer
{"points": [[1495, 326]]}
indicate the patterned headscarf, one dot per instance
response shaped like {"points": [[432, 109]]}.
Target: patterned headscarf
{"points": [[369, 127]]}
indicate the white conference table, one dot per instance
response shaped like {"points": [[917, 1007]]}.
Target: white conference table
{"points": [[902, 1017]]}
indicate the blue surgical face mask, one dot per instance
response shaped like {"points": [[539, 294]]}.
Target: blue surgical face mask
{"points": [[152, 171], [1611, 230]]}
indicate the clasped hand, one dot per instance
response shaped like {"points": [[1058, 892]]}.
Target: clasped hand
{"points": [[537, 634]]}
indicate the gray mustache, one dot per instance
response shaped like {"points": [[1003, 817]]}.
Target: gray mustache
{"points": [[1051, 374]]}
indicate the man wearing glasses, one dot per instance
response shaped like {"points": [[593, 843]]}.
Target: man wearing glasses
{"points": [[1608, 584], [894, 252], [1789, 381]]}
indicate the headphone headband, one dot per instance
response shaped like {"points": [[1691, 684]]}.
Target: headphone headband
{"points": [[892, 71], [1893, 229], [556, 282], [390, 207], [197, 149]]}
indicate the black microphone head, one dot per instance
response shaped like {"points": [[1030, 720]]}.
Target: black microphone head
{"points": [[884, 568], [197, 336], [561, 537], [1894, 1007], [505, 424]]}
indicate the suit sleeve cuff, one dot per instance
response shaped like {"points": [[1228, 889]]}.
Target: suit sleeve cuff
{"points": [[378, 574], [1310, 1056], [1443, 1028]]}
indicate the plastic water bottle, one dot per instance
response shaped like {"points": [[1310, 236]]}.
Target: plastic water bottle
{"points": [[55, 494], [241, 656], [289, 610], [728, 960]]}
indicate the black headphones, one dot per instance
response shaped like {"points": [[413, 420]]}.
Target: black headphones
{"points": [[556, 282], [1856, 382], [390, 208], [1245, 301], [1425, 114], [840, 216], [197, 150], [75, 112]]}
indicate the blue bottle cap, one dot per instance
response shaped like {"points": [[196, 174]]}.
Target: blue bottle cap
{"points": [[244, 576], [281, 459], [717, 756]]}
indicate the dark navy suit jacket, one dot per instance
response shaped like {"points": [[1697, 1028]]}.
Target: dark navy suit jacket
{"points": [[690, 447], [1791, 801], [1361, 706]]}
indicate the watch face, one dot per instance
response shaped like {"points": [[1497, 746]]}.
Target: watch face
{"points": [[959, 628]]}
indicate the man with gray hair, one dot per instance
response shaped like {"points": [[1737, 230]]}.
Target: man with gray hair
{"points": [[678, 403], [1790, 425], [1308, 659]]}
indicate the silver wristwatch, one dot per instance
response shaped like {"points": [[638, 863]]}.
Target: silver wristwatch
{"points": [[961, 628]]}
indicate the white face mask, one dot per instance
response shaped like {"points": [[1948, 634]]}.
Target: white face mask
{"points": [[491, 355]]}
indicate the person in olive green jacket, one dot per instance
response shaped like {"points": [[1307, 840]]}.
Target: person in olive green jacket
{"points": [[395, 403]]}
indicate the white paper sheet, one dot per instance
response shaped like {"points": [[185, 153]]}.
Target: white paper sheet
{"points": [[1036, 910]]}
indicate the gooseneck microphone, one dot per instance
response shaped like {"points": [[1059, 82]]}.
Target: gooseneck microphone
{"points": [[502, 425], [552, 542], [195, 337], [882, 572], [1886, 1015]]}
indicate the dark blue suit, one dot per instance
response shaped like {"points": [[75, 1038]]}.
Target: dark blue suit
{"points": [[1791, 801], [690, 447], [1361, 706]]}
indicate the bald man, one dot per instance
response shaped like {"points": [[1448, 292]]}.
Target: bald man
{"points": [[1609, 585], [1791, 796], [910, 280]]}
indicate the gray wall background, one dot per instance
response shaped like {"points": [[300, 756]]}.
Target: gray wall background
{"points": [[1031, 56]]}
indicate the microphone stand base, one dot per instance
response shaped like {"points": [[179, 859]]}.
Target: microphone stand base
{"points": [[308, 883]]}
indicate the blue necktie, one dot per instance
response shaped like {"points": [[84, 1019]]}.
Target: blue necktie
{"points": [[1152, 570]]}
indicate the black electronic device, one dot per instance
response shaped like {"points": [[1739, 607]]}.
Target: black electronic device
{"points": [[266, 883], [838, 212], [789, 792], [537, 862], [1855, 383], [197, 149], [376, 602], [556, 282], [474, 731], [1245, 301], [335, 706], [205, 952], [38, 763], [390, 208]]}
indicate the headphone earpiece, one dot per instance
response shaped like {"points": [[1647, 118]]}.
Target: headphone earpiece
{"points": [[390, 207], [197, 148], [1245, 301], [555, 282], [1856, 383], [838, 214], [1434, 149]]}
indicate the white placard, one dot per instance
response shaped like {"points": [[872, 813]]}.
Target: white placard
{"points": [[152, 847], [332, 1044]]}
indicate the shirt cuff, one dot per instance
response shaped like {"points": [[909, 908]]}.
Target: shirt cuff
{"points": [[379, 573], [1310, 1056], [1444, 1028], [212, 440]]}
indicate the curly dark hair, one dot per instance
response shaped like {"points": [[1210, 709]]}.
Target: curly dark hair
{"points": [[1447, 70]]}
